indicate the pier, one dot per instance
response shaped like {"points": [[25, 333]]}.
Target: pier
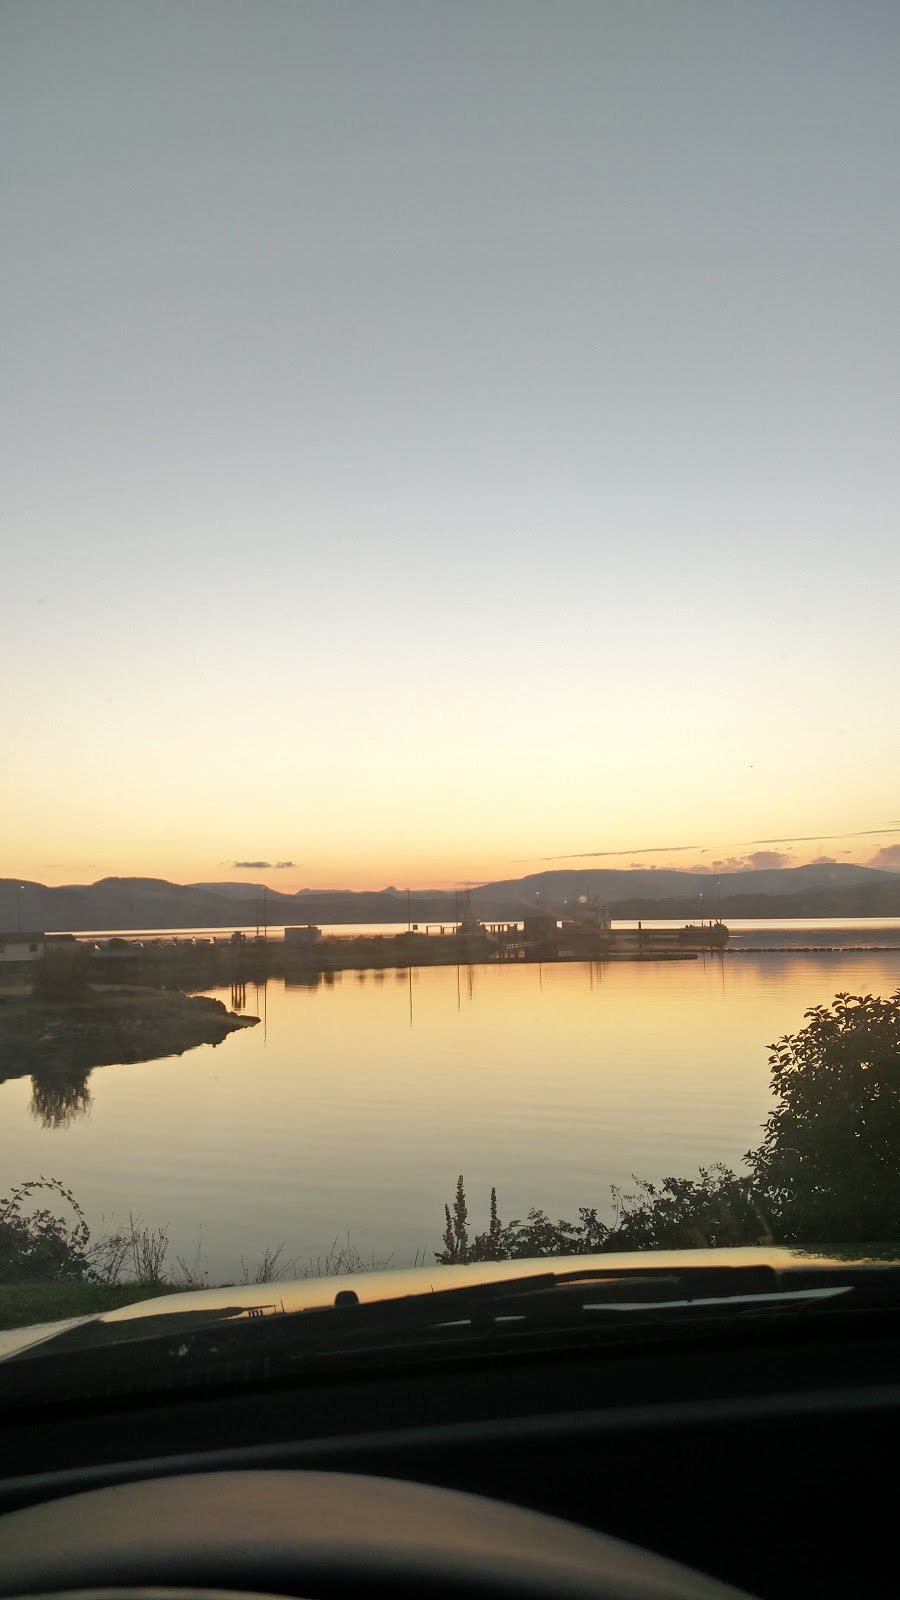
{"points": [[187, 960]]}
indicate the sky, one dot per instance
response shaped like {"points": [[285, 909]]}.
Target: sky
{"points": [[436, 439]]}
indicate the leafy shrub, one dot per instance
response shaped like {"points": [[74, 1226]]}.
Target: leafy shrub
{"points": [[681, 1214], [37, 1243]]}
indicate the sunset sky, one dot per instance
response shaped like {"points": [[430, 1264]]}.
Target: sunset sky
{"points": [[441, 437]]}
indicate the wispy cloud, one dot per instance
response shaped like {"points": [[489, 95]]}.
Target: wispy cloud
{"points": [[256, 866], [810, 838], [642, 850], [733, 863]]}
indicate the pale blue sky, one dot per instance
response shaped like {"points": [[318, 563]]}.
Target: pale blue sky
{"points": [[408, 407]]}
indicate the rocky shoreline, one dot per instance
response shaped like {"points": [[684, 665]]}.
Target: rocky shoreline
{"points": [[107, 1026]]}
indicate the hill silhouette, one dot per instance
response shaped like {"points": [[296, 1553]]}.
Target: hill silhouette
{"points": [[822, 889]]}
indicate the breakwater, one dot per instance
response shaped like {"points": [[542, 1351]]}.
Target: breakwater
{"points": [[206, 962]]}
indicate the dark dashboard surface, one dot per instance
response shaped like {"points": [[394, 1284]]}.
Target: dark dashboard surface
{"points": [[749, 1458]]}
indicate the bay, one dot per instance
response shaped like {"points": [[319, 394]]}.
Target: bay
{"points": [[355, 1103]]}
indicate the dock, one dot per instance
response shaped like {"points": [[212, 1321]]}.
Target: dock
{"points": [[187, 960]]}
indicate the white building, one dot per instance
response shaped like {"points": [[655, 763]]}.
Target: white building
{"points": [[18, 947]]}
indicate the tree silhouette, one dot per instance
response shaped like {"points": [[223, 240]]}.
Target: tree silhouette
{"points": [[828, 1169]]}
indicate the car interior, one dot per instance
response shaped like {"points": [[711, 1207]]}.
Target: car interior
{"points": [[757, 1460]]}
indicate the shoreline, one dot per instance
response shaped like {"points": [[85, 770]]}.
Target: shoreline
{"points": [[811, 949]]}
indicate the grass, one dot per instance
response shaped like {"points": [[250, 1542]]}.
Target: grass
{"points": [[124, 1265], [33, 1300], [24, 1303]]}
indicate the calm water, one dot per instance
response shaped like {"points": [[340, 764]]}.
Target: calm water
{"points": [[355, 1104]]}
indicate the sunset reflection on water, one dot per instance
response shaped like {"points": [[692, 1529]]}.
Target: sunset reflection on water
{"points": [[358, 1100]]}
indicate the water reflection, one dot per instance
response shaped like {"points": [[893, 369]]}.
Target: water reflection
{"points": [[59, 1098], [550, 1082]]}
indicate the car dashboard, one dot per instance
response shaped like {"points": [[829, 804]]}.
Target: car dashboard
{"points": [[747, 1455]]}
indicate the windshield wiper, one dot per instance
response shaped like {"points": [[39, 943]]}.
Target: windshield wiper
{"points": [[594, 1304]]}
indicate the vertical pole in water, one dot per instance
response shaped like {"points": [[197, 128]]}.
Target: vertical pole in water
{"points": [[265, 913]]}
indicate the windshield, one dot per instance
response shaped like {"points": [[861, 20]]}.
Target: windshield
{"points": [[450, 788]]}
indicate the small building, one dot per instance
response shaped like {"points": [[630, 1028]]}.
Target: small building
{"points": [[16, 948], [302, 935]]}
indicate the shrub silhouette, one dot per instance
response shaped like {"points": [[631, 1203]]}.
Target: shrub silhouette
{"points": [[828, 1168]]}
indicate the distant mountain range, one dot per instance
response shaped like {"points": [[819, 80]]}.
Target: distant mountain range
{"points": [[821, 890]]}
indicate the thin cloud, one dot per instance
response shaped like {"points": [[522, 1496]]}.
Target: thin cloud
{"points": [[734, 863], [256, 866], [644, 850], [811, 838]]}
